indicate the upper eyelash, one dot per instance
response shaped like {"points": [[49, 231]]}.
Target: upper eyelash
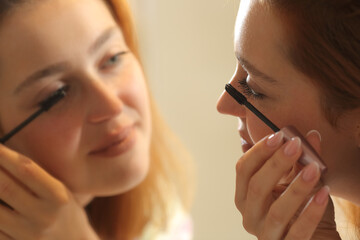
{"points": [[67, 87], [63, 88], [248, 91], [117, 55]]}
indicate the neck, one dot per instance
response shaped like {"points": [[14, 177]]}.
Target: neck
{"points": [[83, 199]]}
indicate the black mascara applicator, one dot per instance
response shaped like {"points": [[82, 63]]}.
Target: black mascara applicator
{"points": [[44, 106], [308, 152]]}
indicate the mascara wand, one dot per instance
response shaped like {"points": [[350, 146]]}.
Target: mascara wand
{"points": [[44, 106], [241, 99], [308, 152]]}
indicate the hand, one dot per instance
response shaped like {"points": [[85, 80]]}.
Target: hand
{"points": [[41, 206], [275, 195]]}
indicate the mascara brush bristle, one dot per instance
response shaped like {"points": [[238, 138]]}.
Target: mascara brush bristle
{"points": [[241, 99]]}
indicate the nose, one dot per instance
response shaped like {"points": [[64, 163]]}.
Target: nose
{"points": [[105, 102], [227, 105]]}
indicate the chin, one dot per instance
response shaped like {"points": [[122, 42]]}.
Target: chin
{"points": [[124, 180]]}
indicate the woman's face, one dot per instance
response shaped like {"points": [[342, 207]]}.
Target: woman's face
{"points": [[95, 140], [283, 94]]}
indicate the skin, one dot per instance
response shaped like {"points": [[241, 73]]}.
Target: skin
{"points": [[288, 98], [107, 93]]}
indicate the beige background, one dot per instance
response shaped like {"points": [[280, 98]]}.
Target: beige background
{"points": [[187, 48]]}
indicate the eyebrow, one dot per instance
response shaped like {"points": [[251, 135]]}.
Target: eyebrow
{"points": [[102, 39], [63, 66], [38, 75], [253, 70]]}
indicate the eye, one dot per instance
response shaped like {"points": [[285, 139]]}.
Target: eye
{"points": [[113, 61], [63, 90], [249, 91]]}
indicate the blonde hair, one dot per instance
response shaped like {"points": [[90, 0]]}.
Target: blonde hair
{"points": [[351, 212], [169, 178]]}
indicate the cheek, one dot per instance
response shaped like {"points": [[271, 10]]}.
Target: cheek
{"points": [[60, 136], [303, 119], [135, 93], [256, 128]]}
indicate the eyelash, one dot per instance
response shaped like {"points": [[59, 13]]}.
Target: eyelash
{"points": [[113, 60], [248, 91], [64, 88], [109, 63]]}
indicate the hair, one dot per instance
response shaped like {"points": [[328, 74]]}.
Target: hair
{"points": [[168, 183], [323, 42]]}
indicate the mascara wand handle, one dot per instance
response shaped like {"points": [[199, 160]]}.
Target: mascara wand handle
{"points": [[21, 126], [261, 116], [44, 106], [241, 99]]}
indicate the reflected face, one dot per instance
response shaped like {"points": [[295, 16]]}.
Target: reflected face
{"points": [[283, 94], [96, 140]]}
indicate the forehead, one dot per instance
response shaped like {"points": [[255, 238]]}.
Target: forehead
{"points": [[257, 26], [259, 38], [35, 35]]}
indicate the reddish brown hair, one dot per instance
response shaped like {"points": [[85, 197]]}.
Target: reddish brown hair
{"points": [[323, 38], [323, 42]]}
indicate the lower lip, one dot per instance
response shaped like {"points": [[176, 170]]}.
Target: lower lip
{"points": [[120, 147], [245, 146]]}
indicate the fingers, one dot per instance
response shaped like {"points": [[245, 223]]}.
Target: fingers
{"points": [[13, 194], [260, 170], [31, 175], [34, 196], [286, 206], [263, 182], [4, 236], [251, 162], [14, 226], [9, 223], [305, 226]]}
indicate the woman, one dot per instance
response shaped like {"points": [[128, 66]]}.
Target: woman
{"points": [[298, 62], [100, 164]]}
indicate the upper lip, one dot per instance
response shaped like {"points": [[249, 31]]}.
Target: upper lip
{"points": [[112, 139]]}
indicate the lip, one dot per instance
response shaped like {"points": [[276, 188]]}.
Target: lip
{"points": [[245, 144], [116, 144]]}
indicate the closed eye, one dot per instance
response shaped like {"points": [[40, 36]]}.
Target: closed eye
{"points": [[249, 92], [64, 90]]}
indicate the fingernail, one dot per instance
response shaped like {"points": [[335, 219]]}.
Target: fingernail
{"points": [[316, 132], [275, 139], [322, 195], [310, 172], [292, 146]]}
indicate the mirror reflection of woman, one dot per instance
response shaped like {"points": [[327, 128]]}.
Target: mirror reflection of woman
{"points": [[298, 62], [100, 164]]}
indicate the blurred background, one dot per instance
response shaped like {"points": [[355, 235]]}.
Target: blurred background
{"points": [[187, 50]]}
